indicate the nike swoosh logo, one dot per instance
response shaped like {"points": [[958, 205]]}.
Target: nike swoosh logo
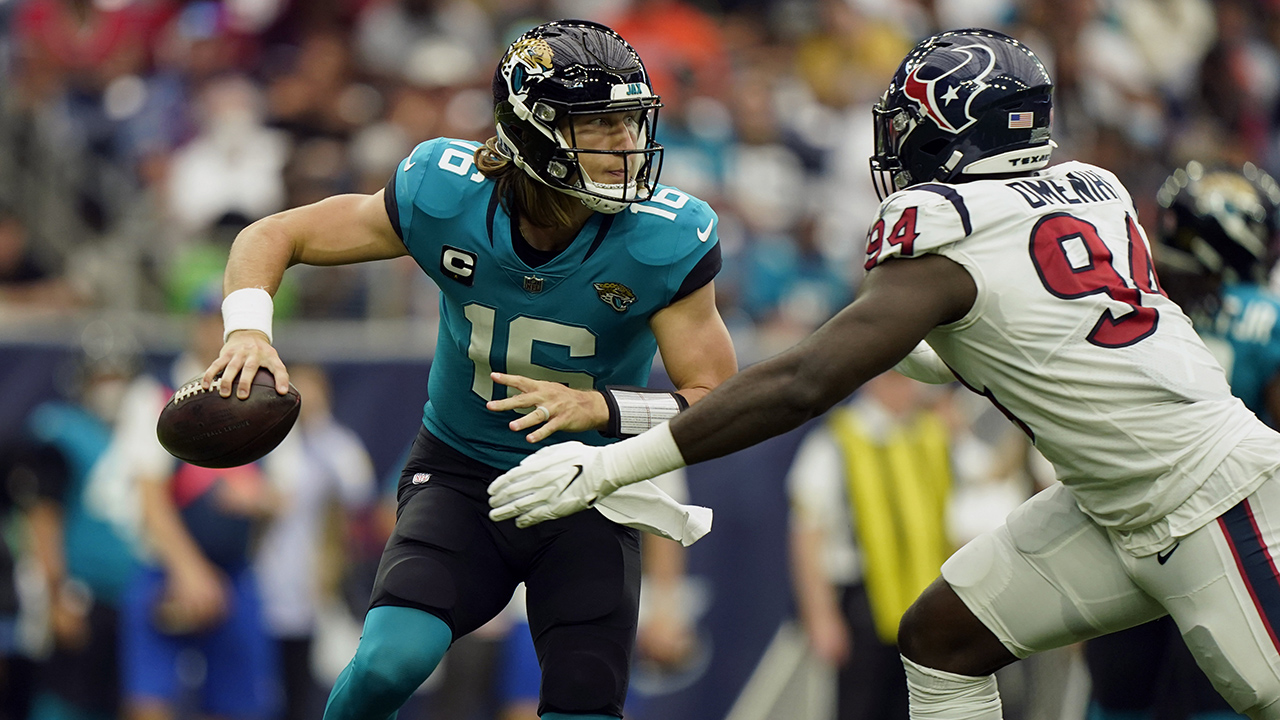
{"points": [[1163, 557], [573, 479], [409, 164], [703, 235]]}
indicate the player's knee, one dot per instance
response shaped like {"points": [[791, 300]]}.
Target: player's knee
{"points": [[583, 675], [939, 631], [921, 629], [399, 649], [913, 633], [377, 679]]}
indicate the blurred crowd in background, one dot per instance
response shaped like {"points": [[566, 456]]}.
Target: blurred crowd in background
{"points": [[141, 135]]}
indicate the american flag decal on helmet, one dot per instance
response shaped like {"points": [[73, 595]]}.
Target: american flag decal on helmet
{"points": [[1020, 120]]}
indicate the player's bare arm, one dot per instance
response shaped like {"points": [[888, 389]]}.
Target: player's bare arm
{"points": [[696, 351], [899, 303], [340, 230]]}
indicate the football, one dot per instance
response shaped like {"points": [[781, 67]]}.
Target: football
{"points": [[203, 428]]}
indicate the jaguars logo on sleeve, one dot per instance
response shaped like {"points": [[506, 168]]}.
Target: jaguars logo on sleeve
{"points": [[615, 295], [916, 221]]}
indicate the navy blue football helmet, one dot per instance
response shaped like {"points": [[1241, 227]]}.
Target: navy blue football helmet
{"points": [[1219, 223], [962, 103], [566, 68]]}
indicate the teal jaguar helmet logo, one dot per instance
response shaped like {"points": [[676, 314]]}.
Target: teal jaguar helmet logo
{"points": [[615, 295]]}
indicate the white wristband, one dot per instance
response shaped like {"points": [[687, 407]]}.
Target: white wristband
{"points": [[646, 455], [247, 309]]}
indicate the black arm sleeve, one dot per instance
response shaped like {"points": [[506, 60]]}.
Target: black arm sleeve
{"points": [[701, 274], [393, 207]]}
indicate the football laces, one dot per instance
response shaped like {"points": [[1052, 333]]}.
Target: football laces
{"points": [[193, 388]]}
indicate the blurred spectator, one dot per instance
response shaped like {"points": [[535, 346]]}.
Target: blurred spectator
{"points": [[196, 46], [84, 562], [77, 71], [1240, 83], [312, 99], [234, 166], [869, 493], [443, 41], [682, 46], [25, 278], [197, 603], [841, 68], [789, 287], [777, 272], [849, 56], [79, 47], [319, 464]]}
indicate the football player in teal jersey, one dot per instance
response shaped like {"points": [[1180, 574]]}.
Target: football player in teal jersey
{"points": [[1218, 235], [563, 266], [1218, 231]]}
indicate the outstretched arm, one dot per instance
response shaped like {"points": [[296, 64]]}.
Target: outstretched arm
{"points": [[900, 302], [339, 230]]}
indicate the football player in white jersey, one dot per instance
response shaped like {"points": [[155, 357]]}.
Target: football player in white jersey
{"points": [[1033, 285]]}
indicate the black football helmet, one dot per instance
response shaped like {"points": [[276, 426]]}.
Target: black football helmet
{"points": [[1219, 223], [566, 68], [963, 102]]}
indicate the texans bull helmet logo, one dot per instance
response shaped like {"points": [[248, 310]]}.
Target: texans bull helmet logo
{"points": [[948, 97]]}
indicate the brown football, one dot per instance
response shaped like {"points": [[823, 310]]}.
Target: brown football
{"points": [[203, 428]]}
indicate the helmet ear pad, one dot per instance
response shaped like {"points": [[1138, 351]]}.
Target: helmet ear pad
{"points": [[929, 154], [533, 151]]}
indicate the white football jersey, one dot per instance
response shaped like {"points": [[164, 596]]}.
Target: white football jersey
{"points": [[1071, 337]]}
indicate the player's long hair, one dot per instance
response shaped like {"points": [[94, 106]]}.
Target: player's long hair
{"points": [[543, 206]]}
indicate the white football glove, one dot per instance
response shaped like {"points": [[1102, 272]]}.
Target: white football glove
{"points": [[552, 483]]}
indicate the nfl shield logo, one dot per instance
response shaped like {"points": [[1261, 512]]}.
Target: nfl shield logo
{"points": [[532, 284]]}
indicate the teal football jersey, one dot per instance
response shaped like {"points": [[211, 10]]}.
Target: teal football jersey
{"points": [[1245, 338], [581, 319]]}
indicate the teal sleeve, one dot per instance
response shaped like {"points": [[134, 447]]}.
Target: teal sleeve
{"points": [[405, 185]]}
